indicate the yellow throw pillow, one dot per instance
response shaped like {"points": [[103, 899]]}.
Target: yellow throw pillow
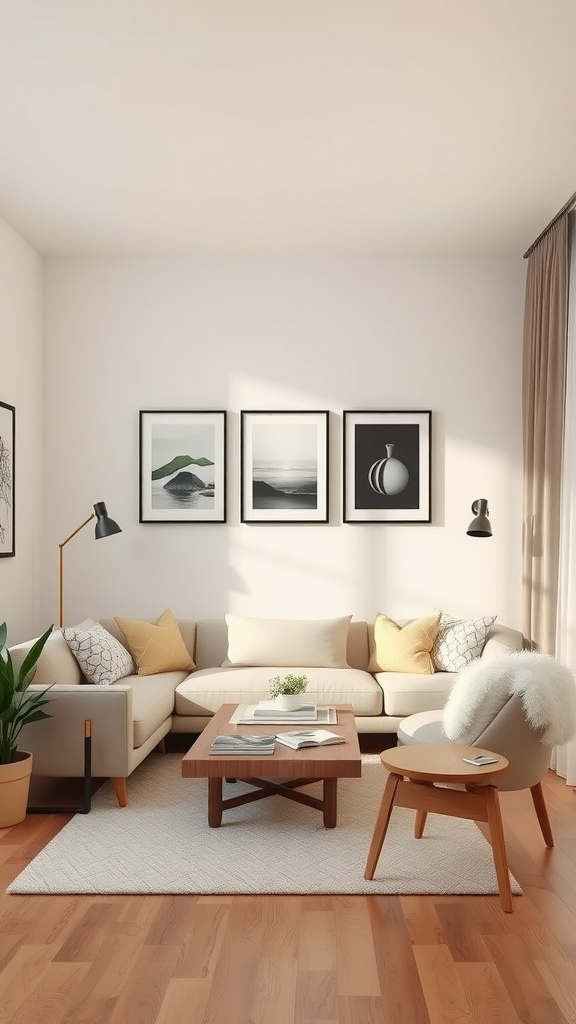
{"points": [[404, 648], [156, 647]]}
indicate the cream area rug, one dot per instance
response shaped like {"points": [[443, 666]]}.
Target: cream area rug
{"points": [[161, 843]]}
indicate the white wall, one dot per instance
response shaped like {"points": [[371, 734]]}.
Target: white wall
{"points": [[300, 333], [21, 386]]}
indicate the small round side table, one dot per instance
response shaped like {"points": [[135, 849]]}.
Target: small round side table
{"points": [[417, 773]]}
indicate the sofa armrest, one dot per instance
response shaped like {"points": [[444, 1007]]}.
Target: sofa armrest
{"points": [[502, 640], [58, 742]]}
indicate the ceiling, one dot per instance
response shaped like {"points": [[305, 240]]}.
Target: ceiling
{"points": [[394, 127]]}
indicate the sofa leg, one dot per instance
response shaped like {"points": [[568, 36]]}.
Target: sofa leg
{"points": [[120, 791]]}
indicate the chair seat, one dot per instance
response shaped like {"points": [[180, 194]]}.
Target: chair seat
{"points": [[424, 727]]}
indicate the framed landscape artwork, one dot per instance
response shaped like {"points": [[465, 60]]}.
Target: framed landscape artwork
{"points": [[182, 467], [7, 464], [387, 467], [284, 467]]}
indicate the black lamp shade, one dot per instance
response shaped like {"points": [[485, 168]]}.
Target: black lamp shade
{"points": [[480, 525], [105, 526]]}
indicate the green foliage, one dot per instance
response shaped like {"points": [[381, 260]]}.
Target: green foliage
{"points": [[287, 685], [17, 707], [180, 462]]}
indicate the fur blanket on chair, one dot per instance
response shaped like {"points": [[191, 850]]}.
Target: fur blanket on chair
{"points": [[546, 688]]}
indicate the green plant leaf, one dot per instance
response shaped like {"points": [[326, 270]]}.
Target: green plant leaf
{"points": [[180, 462]]}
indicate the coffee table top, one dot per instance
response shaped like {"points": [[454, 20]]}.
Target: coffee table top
{"points": [[441, 762], [340, 760]]}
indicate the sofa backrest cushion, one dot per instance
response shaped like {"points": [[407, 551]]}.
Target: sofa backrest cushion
{"points": [[404, 648], [56, 664], [156, 646], [287, 643]]}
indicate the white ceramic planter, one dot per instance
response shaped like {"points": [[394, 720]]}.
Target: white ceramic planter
{"points": [[290, 701]]}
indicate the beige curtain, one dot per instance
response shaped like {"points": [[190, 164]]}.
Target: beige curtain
{"points": [[544, 372]]}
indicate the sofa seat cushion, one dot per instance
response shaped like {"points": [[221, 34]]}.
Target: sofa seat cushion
{"points": [[406, 693], [152, 701], [206, 690]]}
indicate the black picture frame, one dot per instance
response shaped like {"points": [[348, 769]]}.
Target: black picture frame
{"points": [[387, 466], [182, 466], [7, 480], [284, 466]]}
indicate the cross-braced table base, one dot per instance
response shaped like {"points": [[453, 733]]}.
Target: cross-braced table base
{"points": [[264, 788]]}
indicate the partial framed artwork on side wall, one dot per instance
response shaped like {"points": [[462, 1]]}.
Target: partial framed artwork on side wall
{"points": [[182, 466], [7, 492], [387, 467], [284, 466]]}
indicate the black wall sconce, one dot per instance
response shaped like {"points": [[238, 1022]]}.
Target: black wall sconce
{"points": [[480, 525]]}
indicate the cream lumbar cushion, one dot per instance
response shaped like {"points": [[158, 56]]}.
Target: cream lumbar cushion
{"points": [[460, 641], [546, 688], [101, 657], [404, 648], [287, 643], [156, 646]]}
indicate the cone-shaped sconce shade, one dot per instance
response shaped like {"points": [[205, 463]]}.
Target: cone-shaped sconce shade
{"points": [[105, 526], [480, 525]]}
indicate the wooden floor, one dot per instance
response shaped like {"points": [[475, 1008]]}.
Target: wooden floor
{"points": [[298, 960]]}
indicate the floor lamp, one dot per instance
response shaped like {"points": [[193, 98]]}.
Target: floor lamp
{"points": [[105, 527]]}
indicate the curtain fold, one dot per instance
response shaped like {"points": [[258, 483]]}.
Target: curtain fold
{"points": [[564, 758], [543, 389]]}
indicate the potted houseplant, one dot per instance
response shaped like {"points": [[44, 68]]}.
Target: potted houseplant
{"points": [[17, 709], [286, 690]]}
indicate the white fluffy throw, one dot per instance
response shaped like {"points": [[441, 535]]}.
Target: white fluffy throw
{"points": [[546, 688]]}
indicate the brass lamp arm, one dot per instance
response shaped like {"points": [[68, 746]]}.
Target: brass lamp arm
{"points": [[61, 548]]}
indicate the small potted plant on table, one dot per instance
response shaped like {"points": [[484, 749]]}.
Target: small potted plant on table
{"points": [[287, 690], [17, 709]]}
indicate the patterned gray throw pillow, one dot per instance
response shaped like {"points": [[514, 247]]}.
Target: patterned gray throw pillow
{"points": [[459, 641], [101, 657]]}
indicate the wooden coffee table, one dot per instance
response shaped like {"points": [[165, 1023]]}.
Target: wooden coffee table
{"points": [[292, 768]]}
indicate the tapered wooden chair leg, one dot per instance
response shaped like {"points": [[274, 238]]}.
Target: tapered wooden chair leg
{"points": [[381, 824], [542, 813], [498, 846], [419, 823]]}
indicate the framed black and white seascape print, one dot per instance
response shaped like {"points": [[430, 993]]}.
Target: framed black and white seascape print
{"points": [[7, 493], [387, 467], [182, 467], [284, 467]]}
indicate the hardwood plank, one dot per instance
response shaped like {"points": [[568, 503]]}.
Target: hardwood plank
{"points": [[355, 956], [185, 999], [528, 992], [462, 936], [446, 1000], [274, 995], [486, 994], [317, 949], [316, 996], [397, 972], [142, 996], [50, 998]]}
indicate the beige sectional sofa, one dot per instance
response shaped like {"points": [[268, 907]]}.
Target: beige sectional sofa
{"points": [[133, 715]]}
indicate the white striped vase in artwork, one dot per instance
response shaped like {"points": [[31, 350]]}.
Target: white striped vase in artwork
{"points": [[389, 475]]}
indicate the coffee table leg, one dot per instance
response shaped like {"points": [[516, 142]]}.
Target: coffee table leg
{"points": [[330, 797], [214, 802]]}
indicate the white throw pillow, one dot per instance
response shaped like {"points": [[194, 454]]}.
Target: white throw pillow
{"points": [[101, 657], [459, 641], [287, 643]]}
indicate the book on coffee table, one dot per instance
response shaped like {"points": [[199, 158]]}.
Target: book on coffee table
{"points": [[244, 715], [308, 738], [268, 708], [234, 744]]}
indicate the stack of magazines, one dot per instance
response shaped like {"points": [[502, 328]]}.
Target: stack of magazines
{"points": [[234, 744], [265, 712]]}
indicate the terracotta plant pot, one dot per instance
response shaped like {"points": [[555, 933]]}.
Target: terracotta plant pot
{"points": [[14, 787]]}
